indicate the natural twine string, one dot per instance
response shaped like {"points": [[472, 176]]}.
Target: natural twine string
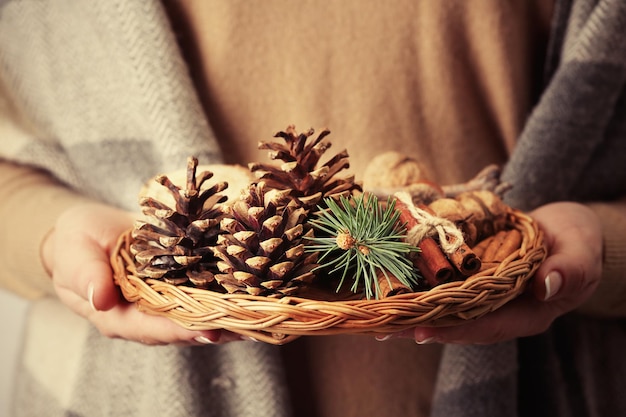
{"points": [[450, 237]]}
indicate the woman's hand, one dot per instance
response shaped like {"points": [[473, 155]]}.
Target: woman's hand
{"points": [[77, 255], [567, 277]]}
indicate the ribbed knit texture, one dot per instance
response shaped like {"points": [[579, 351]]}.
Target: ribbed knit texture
{"points": [[24, 266], [118, 378], [113, 121], [109, 114], [573, 147], [573, 144], [609, 300], [581, 114]]}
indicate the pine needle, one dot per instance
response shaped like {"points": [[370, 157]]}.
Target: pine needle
{"points": [[359, 239]]}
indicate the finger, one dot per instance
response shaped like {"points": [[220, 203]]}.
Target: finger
{"points": [[573, 267], [557, 287], [226, 336], [197, 337], [524, 316], [127, 322], [82, 243], [570, 275], [102, 292], [91, 278]]}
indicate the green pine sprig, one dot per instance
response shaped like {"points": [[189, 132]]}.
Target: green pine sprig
{"points": [[360, 238]]}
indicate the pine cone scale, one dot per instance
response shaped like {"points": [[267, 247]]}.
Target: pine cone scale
{"points": [[256, 244], [174, 244]]}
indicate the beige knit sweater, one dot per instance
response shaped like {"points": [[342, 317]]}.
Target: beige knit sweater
{"points": [[427, 91], [427, 94]]}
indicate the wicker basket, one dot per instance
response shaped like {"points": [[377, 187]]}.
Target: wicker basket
{"points": [[278, 321]]}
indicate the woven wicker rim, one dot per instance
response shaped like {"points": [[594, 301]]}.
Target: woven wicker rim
{"points": [[278, 321]]}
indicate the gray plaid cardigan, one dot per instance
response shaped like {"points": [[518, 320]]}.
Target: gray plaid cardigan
{"points": [[133, 67]]}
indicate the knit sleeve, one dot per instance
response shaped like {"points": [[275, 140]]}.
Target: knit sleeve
{"points": [[30, 203], [609, 300]]}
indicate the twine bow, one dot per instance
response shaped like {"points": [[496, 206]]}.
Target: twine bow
{"points": [[449, 236]]}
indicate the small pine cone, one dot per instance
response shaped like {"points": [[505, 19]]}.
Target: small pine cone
{"points": [[308, 181], [174, 244], [262, 251]]}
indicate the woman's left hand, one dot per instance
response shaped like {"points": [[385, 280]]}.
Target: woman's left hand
{"points": [[563, 282]]}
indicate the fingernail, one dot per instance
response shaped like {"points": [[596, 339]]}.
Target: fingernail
{"points": [[426, 341], [204, 340], [553, 282], [90, 294], [249, 338], [403, 334]]}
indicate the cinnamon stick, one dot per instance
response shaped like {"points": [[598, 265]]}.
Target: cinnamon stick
{"points": [[511, 243], [390, 285], [495, 248], [463, 258], [479, 248], [490, 251], [431, 261]]}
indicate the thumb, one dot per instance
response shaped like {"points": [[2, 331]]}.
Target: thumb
{"points": [[573, 266], [83, 242]]}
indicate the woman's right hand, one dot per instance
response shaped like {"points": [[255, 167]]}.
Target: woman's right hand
{"points": [[76, 253]]}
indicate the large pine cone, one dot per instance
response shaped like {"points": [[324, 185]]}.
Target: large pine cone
{"points": [[174, 244], [301, 172], [262, 252]]}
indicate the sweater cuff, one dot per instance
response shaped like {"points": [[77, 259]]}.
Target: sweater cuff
{"points": [[31, 220], [609, 299]]}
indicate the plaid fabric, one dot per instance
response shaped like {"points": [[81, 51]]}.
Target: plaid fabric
{"points": [[125, 112], [133, 96], [108, 89], [69, 369], [572, 148]]}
